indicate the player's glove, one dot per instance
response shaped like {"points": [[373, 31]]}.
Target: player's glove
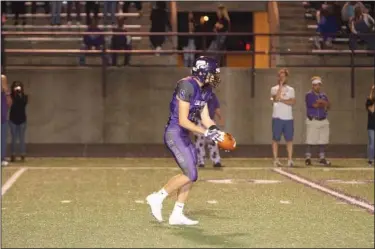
{"points": [[214, 134]]}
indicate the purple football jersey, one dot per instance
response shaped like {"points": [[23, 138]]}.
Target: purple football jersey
{"points": [[189, 90]]}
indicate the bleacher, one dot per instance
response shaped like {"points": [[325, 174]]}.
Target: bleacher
{"points": [[40, 21]]}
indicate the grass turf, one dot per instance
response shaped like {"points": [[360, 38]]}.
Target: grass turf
{"points": [[94, 205]]}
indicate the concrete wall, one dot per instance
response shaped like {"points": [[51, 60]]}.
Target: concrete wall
{"points": [[66, 105], [183, 6]]}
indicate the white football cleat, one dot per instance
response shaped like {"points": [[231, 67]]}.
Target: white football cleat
{"points": [[180, 219], [156, 205]]}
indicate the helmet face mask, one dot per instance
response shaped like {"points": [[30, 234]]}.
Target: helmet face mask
{"points": [[207, 71]]}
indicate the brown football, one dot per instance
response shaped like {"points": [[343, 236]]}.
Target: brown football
{"points": [[229, 143]]}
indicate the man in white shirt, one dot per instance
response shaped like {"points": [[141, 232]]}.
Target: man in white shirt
{"points": [[283, 97]]}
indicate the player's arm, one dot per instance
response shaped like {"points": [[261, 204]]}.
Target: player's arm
{"points": [[205, 117], [183, 110]]}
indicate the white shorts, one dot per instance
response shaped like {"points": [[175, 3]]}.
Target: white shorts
{"points": [[317, 132]]}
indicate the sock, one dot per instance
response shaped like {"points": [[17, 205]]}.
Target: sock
{"points": [[308, 152], [178, 207], [321, 152], [162, 193]]}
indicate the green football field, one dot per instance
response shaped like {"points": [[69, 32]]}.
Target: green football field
{"points": [[81, 203]]}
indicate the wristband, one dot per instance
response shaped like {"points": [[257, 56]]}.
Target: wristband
{"points": [[213, 127]]}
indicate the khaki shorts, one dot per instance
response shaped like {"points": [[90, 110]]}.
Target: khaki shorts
{"points": [[317, 132]]}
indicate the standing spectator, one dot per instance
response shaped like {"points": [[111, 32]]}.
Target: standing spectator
{"points": [[317, 124], [110, 7], [56, 12], [120, 42], [6, 102], [283, 97], [370, 105], [221, 26], [19, 8], [91, 6], [77, 5], [138, 6], [328, 25], [201, 141], [92, 41], [189, 41], [17, 120], [3, 19], [362, 26], [159, 22]]}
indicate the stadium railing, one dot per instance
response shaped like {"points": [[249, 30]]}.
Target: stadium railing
{"points": [[252, 51]]}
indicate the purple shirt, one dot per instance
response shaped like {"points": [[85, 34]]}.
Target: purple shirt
{"points": [[213, 104], [188, 90], [4, 108], [310, 98]]}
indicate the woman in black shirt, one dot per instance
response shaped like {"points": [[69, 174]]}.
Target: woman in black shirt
{"points": [[371, 126], [17, 119]]}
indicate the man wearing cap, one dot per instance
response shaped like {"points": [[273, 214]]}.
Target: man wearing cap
{"points": [[317, 124]]}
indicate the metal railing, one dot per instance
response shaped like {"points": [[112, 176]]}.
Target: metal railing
{"points": [[252, 51]]}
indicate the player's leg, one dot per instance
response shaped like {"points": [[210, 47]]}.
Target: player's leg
{"points": [[177, 217], [181, 151], [288, 131], [276, 137], [201, 150], [214, 153]]}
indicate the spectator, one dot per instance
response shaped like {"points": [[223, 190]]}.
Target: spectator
{"points": [[77, 5], [120, 42], [317, 124], [17, 120], [201, 141], [138, 6], [283, 97], [347, 11], [189, 41], [159, 22], [56, 12], [6, 102], [111, 7], [92, 41], [362, 26], [19, 8], [3, 19], [370, 105], [221, 26], [328, 25], [91, 6]]}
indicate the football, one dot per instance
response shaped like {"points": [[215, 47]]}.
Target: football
{"points": [[229, 143]]}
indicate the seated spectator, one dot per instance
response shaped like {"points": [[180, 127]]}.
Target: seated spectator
{"points": [[120, 42], [159, 23], [362, 26], [347, 11], [328, 25], [92, 41]]}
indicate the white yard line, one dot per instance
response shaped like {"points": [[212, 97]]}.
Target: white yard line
{"points": [[8, 184], [346, 198]]}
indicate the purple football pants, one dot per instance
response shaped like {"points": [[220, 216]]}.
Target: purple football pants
{"points": [[179, 144]]}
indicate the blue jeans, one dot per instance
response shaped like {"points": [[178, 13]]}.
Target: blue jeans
{"points": [[18, 132], [55, 12], [370, 145], [189, 58], [3, 140], [109, 7]]}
